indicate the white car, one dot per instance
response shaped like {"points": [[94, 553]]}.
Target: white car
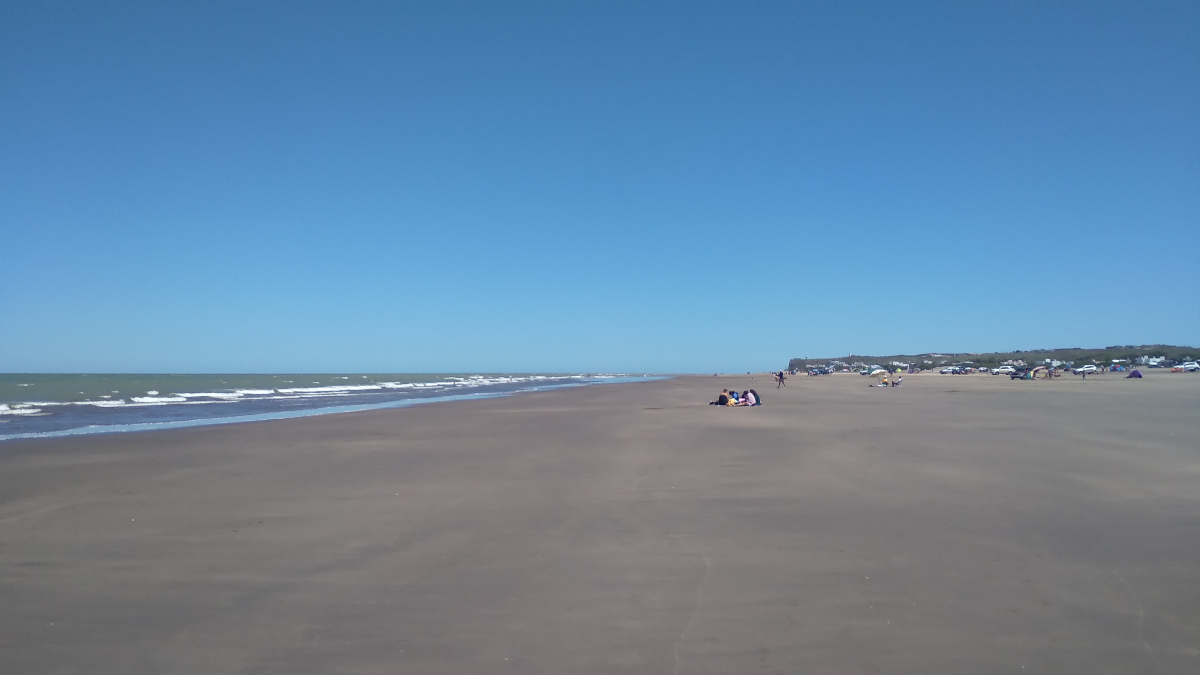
{"points": [[1089, 368], [1004, 370], [1191, 366]]}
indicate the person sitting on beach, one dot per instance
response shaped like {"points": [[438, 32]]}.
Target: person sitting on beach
{"points": [[748, 399], [723, 399], [757, 398]]}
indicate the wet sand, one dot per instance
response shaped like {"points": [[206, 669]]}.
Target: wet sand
{"points": [[959, 524]]}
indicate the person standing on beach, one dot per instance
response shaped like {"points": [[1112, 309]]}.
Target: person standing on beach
{"points": [[781, 379]]}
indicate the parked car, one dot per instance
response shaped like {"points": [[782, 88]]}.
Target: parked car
{"points": [[1089, 368], [1191, 366], [1004, 370]]}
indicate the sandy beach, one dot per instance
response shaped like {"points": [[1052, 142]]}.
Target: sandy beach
{"points": [[959, 524]]}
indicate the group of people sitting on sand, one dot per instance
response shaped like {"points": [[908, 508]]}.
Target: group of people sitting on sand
{"points": [[896, 380], [733, 399]]}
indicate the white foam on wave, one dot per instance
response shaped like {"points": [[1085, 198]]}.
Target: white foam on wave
{"points": [[113, 403], [335, 388], [234, 395], [20, 410], [136, 402]]}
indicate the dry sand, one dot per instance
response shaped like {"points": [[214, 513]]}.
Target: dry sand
{"points": [[960, 524]]}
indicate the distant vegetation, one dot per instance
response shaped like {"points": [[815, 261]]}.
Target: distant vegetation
{"points": [[1077, 355]]}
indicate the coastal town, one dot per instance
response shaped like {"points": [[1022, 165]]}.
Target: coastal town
{"points": [[1018, 365]]}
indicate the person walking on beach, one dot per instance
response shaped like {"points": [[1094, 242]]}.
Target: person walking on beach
{"points": [[780, 379]]}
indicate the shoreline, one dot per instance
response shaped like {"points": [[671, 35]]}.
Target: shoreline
{"points": [[89, 430]]}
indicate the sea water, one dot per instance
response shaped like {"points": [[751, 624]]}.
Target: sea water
{"points": [[42, 405]]}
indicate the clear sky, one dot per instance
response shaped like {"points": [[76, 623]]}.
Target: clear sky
{"points": [[502, 186]]}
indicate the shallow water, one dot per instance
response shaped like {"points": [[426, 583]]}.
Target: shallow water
{"points": [[37, 405]]}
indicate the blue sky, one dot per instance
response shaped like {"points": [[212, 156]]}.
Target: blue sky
{"points": [[684, 187]]}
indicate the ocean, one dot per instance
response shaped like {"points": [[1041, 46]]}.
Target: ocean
{"points": [[44, 405]]}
